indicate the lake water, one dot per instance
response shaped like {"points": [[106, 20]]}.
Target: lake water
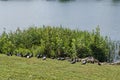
{"points": [[77, 14]]}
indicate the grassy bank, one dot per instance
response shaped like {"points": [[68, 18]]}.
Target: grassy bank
{"points": [[17, 68]]}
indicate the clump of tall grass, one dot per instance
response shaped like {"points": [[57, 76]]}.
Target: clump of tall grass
{"points": [[55, 42]]}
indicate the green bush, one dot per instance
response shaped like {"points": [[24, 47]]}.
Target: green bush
{"points": [[56, 41]]}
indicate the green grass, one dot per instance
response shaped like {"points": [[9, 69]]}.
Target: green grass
{"points": [[17, 68]]}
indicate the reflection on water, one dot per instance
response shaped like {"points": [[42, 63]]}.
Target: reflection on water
{"points": [[65, 0], [16, 0], [81, 14], [115, 0]]}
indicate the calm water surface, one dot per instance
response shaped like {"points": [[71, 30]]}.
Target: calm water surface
{"points": [[78, 14]]}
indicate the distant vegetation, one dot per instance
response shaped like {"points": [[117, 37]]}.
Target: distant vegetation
{"points": [[56, 42]]}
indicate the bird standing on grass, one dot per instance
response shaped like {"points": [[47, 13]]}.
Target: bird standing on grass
{"points": [[44, 58], [99, 63]]}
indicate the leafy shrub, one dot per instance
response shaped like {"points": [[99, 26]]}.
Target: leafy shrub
{"points": [[56, 41]]}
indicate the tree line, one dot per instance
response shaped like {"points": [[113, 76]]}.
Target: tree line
{"points": [[56, 42]]}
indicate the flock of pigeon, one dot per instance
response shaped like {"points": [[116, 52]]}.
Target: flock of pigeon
{"points": [[84, 61]]}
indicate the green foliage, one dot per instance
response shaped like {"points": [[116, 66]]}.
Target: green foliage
{"points": [[5, 44], [56, 41]]}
